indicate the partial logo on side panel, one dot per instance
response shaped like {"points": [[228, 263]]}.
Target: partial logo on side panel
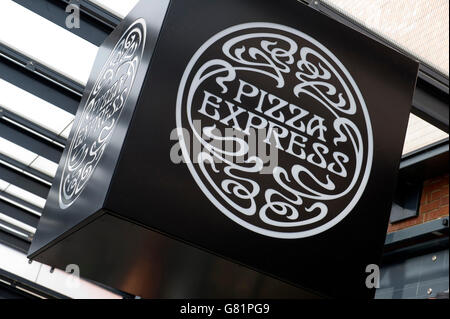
{"points": [[101, 113]]}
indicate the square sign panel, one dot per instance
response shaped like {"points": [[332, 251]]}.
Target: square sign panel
{"points": [[261, 132]]}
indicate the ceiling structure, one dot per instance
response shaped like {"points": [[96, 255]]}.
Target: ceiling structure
{"points": [[45, 66]]}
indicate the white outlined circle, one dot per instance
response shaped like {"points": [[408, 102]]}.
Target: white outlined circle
{"points": [[179, 111]]}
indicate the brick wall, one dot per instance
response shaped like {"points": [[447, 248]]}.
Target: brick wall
{"points": [[433, 203]]}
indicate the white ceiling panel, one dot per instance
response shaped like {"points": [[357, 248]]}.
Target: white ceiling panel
{"points": [[16, 223], [45, 42], [27, 158], [33, 109], [120, 8], [17, 263], [25, 195], [420, 134], [16, 152], [45, 166], [420, 27]]}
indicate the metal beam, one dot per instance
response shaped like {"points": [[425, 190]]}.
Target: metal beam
{"points": [[431, 103], [26, 285], [18, 214], [19, 203], [94, 11], [41, 70], [22, 181], [14, 242], [30, 141], [425, 153], [15, 231], [28, 80], [24, 169], [32, 128], [416, 241], [438, 227]]}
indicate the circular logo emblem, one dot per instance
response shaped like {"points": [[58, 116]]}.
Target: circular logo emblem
{"points": [[284, 133], [101, 112]]}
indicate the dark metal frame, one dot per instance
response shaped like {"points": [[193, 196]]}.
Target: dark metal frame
{"points": [[18, 282], [437, 227], [41, 70], [30, 127], [416, 240], [17, 202], [18, 74], [14, 242], [416, 167], [27, 170], [425, 153], [31, 141], [19, 214], [12, 176]]}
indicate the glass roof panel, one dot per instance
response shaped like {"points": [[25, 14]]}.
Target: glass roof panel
{"points": [[45, 42], [420, 134], [119, 8], [33, 109], [420, 27]]}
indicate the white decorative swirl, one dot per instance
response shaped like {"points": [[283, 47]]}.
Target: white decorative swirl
{"points": [[272, 58], [240, 187], [101, 112], [315, 81]]}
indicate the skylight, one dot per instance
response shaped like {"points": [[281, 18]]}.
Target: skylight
{"points": [[34, 109], [27, 158], [420, 134], [420, 27]]}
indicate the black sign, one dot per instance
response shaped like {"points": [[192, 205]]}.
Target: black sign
{"points": [[259, 131], [274, 80]]}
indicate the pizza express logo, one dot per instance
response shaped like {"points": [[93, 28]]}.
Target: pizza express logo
{"points": [[101, 112], [262, 76]]}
